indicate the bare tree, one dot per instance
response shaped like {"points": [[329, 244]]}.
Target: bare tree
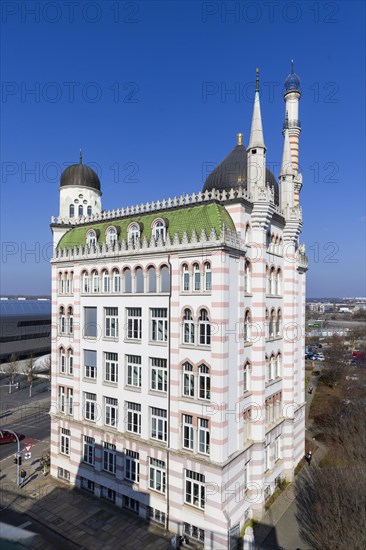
{"points": [[12, 369], [46, 365], [29, 371]]}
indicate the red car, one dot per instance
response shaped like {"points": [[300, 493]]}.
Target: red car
{"points": [[7, 437]]}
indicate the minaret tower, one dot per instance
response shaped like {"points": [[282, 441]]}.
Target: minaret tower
{"points": [[286, 177], [256, 177], [292, 124]]}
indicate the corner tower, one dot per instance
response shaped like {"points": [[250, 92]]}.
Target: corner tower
{"points": [[292, 95], [80, 193]]}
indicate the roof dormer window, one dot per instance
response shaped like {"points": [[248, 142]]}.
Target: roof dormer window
{"points": [[159, 230], [91, 238]]}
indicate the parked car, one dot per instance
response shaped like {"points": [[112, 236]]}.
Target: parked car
{"points": [[7, 437]]}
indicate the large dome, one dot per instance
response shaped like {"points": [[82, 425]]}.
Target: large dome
{"points": [[232, 173], [80, 175]]}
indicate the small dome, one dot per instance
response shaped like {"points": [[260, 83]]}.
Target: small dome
{"points": [[232, 173], [292, 82], [80, 175]]}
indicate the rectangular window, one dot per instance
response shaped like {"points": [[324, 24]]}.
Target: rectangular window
{"points": [[90, 406], [159, 374], [61, 399], [108, 494], [193, 532], [70, 401], [63, 474], [267, 458], [131, 503], [133, 370], [195, 489], [90, 322], [109, 458], [157, 475], [111, 412], [278, 448], [90, 363], [134, 323], [158, 424], [65, 439], [159, 324], [154, 514], [111, 322], [246, 476], [132, 466], [111, 367], [188, 432], [87, 484], [188, 380], [203, 436], [133, 417], [89, 450], [70, 362]]}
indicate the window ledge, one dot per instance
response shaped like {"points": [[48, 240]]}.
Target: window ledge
{"points": [[247, 344], [110, 384], [155, 343], [132, 340], [136, 389], [110, 339], [273, 381], [157, 393], [89, 380]]}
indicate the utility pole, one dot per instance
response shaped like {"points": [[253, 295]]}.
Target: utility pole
{"points": [[18, 455]]}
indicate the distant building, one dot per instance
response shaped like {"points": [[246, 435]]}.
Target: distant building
{"points": [[25, 328], [178, 341]]}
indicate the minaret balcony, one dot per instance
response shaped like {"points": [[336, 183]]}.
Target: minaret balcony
{"points": [[292, 124]]}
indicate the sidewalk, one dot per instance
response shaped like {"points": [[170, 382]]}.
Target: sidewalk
{"points": [[81, 520]]}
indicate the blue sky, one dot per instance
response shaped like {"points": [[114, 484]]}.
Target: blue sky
{"points": [[155, 93]]}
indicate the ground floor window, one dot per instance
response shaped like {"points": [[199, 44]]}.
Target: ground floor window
{"points": [[63, 474], [87, 484], [156, 515], [108, 494], [131, 504], [193, 532]]}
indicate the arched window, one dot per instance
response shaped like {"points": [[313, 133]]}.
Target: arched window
{"points": [[188, 380], [278, 282], [272, 321], [70, 320], [185, 278], [279, 323], [70, 361], [71, 211], [159, 230], [272, 368], [196, 278], [60, 283], [134, 234], [91, 238], [62, 361], [272, 281], [247, 376], [247, 326], [164, 279], [85, 282], [247, 278], [268, 280], [116, 281], [95, 281], [268, 366], [204, 328], [151, 278], [62, 320], [67, 283], [208, 276], [106, 281], [127, 280], [111, 236], [81, 210], [89, 210], [188, 327], [266, 325], [139, 280], [204, 382], [71, 289], [248, 234], [278, 365]]}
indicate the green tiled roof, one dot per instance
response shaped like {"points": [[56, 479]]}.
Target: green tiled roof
{"points": [[179, 220]]}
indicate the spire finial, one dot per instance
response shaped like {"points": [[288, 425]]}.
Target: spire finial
{"points": [[240, 138], [81, 156], [292, 66], [257, 80]]}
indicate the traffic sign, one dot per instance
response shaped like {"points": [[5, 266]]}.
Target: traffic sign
{"points": [[27, 456], [28, 448]]}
